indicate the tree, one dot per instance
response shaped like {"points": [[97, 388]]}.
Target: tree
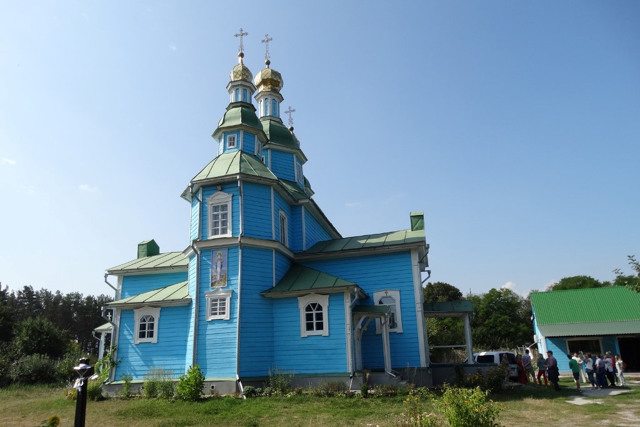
{"points": [[502, 320], [441, 292], [37, 335], [578, 282], [630, 281]]}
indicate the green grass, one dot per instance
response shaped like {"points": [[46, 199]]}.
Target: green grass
{"points": [[523, 406]]}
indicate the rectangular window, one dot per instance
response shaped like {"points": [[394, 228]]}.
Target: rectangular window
{"points": [[284, 238], [232, 141], [219, 215], [218, 304]]}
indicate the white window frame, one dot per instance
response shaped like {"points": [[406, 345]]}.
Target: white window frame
{"points": [[219, 294], [139, 314], [297, 166], [218, 199], [284, 234], [322, 301], [258, 150], [231, 138], [395, 294]]}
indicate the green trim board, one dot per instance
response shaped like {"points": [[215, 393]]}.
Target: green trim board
{"points": [[172, 295], [301, 280], [174, 260], [590, 329], [447, 308], [393, 238]]}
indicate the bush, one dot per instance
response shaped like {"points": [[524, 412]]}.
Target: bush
{"points": [[94, 390], [279, 382], [125, 393], [250, 391], [414, 415], [190, 385], [330, 388], [37, 335], [158, 383], [33, 369], [464, 407]]}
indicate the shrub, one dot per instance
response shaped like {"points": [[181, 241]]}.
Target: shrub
{"points": [[158, 383], [464, 407], [33, 369], [279, 382], [103, 366], [386, 390], [331, 388], [414, 414], [190, 385], [37, 335], [364, 389], [94, 390], [125, 393], [250, 391]]}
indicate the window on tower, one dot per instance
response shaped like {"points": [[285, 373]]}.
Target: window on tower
{"points": [[219, 208], [274, 107], [245, 95], [218, 304], [232, 141], [284, 237]]}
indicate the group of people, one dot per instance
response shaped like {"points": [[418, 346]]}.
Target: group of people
{"points": [[596, 371]]}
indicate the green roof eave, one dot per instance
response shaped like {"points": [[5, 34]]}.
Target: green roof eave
{"points": [[590, 329], [168, 296], [164, 261], [238, 115], [233, 164], [390, 241], [294, 190], [301, 280]]}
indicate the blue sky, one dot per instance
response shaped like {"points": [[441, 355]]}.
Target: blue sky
{"points": [[514, 127]]}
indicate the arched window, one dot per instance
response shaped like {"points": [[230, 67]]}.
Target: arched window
{"points": [[146, 324], [390, 298], [392, 313], [245, 96], [314, 315], [237, 95], [274, 107], [267, 104]]}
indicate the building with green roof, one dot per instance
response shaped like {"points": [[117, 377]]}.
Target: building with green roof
{"points": [[594, 320], [265, 280]]}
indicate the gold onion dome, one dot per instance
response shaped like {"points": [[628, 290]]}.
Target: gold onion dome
{"points": [[268, 79], [241, 71]]}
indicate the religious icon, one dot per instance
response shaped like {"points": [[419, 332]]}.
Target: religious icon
{"points": [[219, 268]]}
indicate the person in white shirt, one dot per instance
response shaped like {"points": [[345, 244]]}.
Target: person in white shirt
{"points": [[588, 366], [620, 367]]}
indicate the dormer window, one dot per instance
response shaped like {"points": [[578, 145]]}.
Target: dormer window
{"points": [[232, 141], [219, 217]]}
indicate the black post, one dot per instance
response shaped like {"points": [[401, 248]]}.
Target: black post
{"points": [[84, 371]]}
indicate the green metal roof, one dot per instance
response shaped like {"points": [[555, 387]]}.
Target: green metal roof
{"points": [[594, 311], [371, 309], [294, 190], [238, 114], [277, 133], [447, 308], [166, 260], [301, 280], [176, 294], [106, 327], [234, 163], [393, 238]]}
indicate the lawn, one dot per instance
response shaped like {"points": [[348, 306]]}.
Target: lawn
{"points": [[523, 406]]}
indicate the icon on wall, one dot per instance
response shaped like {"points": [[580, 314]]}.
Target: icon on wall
{"points": [[219, 268]]}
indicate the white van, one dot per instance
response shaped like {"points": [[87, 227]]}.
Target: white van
{"points": [[494, 357]]}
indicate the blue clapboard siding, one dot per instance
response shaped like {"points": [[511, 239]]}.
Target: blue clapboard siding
{"points": [[195, 219], [610, 343], [138, 284], [374, 273], [282, 165], [295, 225], [190, 320], [281, 205], [168, 353], [257, 210], [217, 338], [232, 189], [248, 142], [559, 347], [314, 233], [313, 354], [282, 266], [256, 324]]}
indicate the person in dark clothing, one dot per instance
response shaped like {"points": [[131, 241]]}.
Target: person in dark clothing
{"points": [[552, 370]]}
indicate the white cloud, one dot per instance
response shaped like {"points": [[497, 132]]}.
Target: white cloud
{"points": [[509, 285], [173, 46], [353, 204], [7, 161], [87, 188]]}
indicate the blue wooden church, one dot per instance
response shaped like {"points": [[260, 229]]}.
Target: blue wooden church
{"points": [[266, 282]]}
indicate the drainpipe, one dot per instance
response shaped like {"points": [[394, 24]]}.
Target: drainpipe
{"points": [[241, 218], [196, 300], [109, 284]]}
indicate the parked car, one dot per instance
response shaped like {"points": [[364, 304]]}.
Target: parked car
{"points": [[494, 357]]}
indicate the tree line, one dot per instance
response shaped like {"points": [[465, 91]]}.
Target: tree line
{"points": [[42, 333]]}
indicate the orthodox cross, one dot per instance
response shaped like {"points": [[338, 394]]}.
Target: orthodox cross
{"points": [[266, 41], [241, 34], [289, 111]]}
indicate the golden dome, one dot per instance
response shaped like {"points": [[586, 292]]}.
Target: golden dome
{"points": [[268, 79], [241, 71]]}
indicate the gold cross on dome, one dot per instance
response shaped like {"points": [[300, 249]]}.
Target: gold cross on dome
{"points": [[266, 41]]}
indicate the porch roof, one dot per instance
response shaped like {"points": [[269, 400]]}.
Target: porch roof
{"points": [[172, 295], [371, 309], [448, 308], [300, 280]]}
